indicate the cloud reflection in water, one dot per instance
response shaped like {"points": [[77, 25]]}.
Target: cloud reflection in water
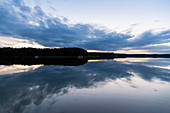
{"points": [[105, 86]]}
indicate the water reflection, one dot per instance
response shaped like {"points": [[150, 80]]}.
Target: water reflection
{"points": [[107, 86], [6, 70], [43, 61]]}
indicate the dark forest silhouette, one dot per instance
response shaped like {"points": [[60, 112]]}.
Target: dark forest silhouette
{"points": [[61, 56]]}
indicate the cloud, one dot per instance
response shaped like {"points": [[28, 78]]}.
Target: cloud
{"points": [[15, 42], [21, 21]]}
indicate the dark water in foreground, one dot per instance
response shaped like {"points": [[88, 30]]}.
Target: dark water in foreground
{"points": [[135, 86]]}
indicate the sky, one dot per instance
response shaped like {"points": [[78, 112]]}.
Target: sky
{"points": [[109, 25], [118, 15]]}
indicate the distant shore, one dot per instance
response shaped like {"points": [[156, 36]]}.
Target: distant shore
{"points": [[77, 53]]}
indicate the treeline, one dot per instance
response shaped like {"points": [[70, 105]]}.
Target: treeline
{"points": [[7, 51]]}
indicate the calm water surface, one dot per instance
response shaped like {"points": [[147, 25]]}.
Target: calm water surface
{"points": [[119, 86]]}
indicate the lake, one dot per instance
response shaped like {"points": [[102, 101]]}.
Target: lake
{"points": [[116, 86]]}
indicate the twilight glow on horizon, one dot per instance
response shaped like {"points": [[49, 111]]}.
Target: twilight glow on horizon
{"points": [[110, 25]]}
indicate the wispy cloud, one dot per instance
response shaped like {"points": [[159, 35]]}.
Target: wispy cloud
{"points": [[21, 21], [15, 42]]}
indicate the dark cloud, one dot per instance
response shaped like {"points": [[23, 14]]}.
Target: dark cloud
{"points": [[20, 21], [148, 38]]}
